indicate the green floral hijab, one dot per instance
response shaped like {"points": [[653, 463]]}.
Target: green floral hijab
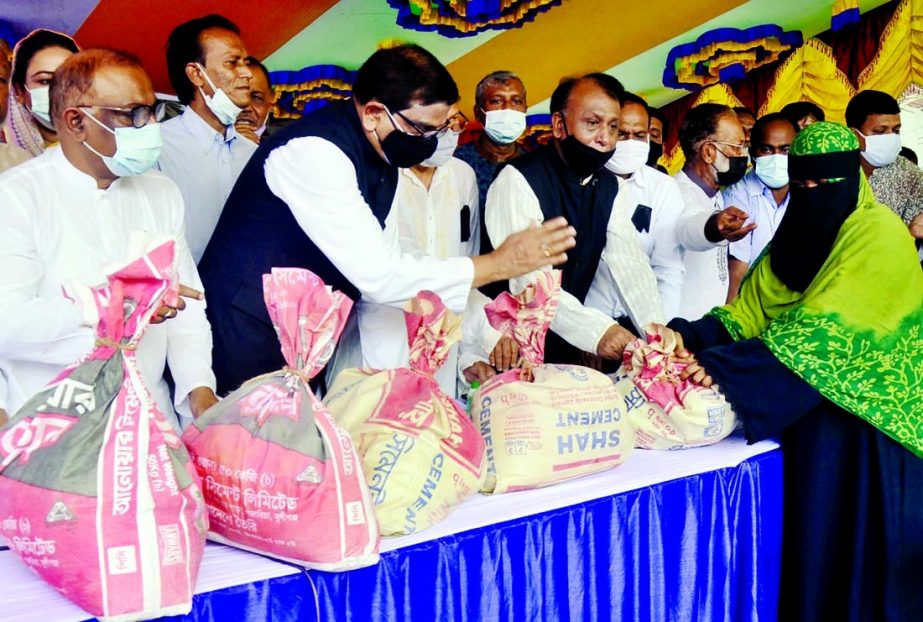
{"points": [[855, 332]]}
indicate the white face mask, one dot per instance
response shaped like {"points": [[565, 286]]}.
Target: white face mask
{"points": [[504, 126], [881, 149], [445, 147], [772, 170], [219, 103], [629, 156], [136, 149], [41, 107]]}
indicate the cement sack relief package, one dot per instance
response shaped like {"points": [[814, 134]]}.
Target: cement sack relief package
{"points": [[97, 493], [421, 454], [280, 477], [668, 412], [545, 423]]}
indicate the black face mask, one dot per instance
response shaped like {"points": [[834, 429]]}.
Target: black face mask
{"points": [[581, 159], [809, 229], [404, 150], [655, 153], [735, 172]]}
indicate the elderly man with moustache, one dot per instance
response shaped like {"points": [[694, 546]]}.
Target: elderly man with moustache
{"points": [[567, 177], [72, 211]]}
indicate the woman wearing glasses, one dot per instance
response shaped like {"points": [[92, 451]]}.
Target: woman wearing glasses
{"points": [[317, 195], [73, 211]]}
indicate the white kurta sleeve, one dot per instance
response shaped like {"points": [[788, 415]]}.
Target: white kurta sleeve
{"points": [[512, 207], [667, 253], [36, 328], [189, 335], [319, 184], [690, 229]]}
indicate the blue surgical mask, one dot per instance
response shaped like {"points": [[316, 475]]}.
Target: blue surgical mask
{"points": [[772, 170], [41, 108], [219, 103], [504, 126], [137, 149]]}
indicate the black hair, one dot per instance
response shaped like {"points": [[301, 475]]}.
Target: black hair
{"points": [[254, 63], [184, 46], [612, 87], [631, 98], [32, 44], [866, 103], [656, 113], [796, 111], [910, 154], [700, 124], [403, 75], [761, 123]]}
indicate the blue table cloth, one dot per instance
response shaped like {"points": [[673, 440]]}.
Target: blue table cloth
{"points": [[693, 535]]}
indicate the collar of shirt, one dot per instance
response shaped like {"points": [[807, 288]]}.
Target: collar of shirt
{"points": [[756, 188], [73, 176], [710, 192], [438, 176], [205, 134]]}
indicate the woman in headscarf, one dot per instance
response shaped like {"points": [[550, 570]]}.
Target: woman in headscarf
{"points": [[824, 349], [35, 59]]}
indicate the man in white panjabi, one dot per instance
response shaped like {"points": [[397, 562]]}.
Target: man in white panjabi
{"points": [[72, 212], [566, 177]]}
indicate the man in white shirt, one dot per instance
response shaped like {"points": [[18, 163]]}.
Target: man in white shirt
{"points": [[202, 152], [712, 140], [70, 213], [656, 207], [316, 196], [435, 214], [567, 177], [762, 193]]}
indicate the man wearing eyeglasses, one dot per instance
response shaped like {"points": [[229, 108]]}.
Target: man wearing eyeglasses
{"points": [[317, 194], [435, 214], [712, 140], [202, 151], [73, 211]]}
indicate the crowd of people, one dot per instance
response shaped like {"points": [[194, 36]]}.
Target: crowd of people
{"points": [[784, 253]]}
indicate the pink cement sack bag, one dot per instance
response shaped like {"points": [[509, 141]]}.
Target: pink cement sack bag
{"points": [[281, 478], [545, 423], [421, 454], [97, 493], [667, 412]]}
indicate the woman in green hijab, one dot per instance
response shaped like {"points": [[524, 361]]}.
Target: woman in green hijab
{"points": [[824, 349]]}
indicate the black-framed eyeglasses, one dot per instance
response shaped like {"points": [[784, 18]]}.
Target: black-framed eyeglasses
{"points": [[140, 115], [456, 123]]}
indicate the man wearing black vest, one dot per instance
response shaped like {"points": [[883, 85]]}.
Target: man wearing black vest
{"points": [[316, 194], [566, 178]]}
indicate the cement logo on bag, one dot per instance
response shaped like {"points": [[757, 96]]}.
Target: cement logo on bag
{"points": [[32, 434], [172, 549], [59, 513], [122, 559], [354, 513], [309, 476]]}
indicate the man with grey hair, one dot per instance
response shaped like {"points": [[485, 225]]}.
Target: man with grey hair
{"points": [[10, 155], [500, 106]]}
